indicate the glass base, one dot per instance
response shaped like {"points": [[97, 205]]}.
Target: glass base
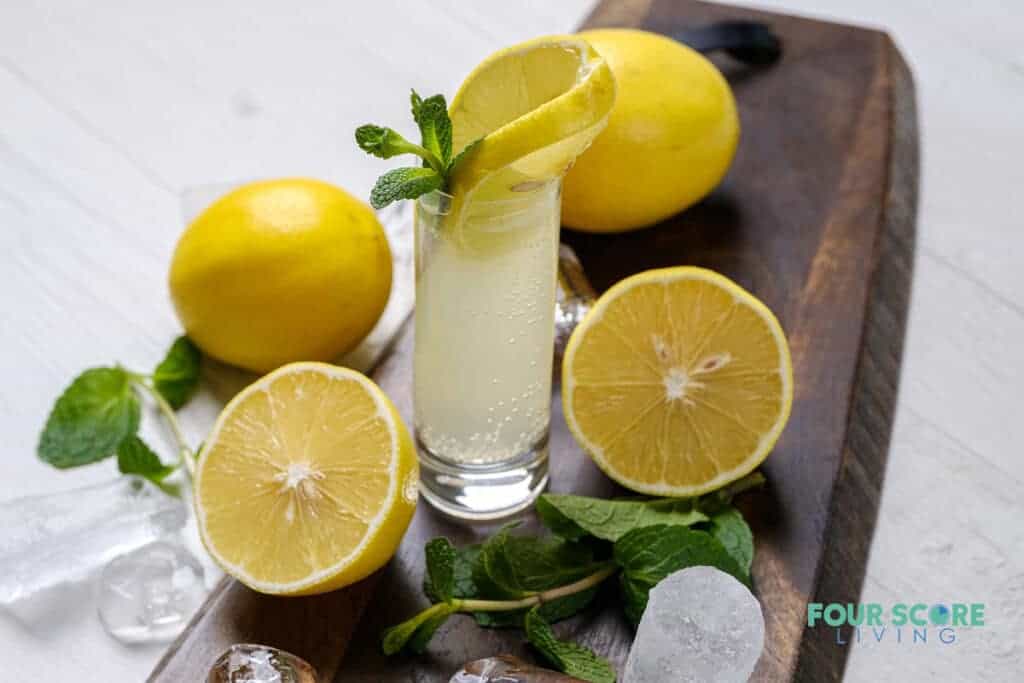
{"points": [[481, 492]]}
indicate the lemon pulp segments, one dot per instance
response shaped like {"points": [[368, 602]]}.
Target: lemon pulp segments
{"points": [[307, 481], [677, 382]]}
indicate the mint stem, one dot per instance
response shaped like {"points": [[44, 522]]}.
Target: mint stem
{"points": [[428, 157], [537, 598], [184, 451]]}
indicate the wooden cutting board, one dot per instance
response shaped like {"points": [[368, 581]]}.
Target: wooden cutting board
{"points": [[816, 218]]}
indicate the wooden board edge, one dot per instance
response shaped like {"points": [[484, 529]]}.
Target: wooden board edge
{"points": [[172, 649], [857, 490]]}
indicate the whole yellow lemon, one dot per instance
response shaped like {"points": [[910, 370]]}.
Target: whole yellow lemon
{"points": [[669, 141], [280, 271]]}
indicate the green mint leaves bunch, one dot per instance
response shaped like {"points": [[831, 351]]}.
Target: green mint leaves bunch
{"points": [[435, 149], [98, 415], [531, 582]]}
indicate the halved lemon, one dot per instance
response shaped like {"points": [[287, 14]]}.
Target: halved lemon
{"points": [[307, 482], [534, 108], [677, 382]]}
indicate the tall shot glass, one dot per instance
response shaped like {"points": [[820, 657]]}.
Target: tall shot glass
{"points": [[485, 306]]}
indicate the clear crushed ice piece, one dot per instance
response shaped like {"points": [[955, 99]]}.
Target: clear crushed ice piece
{"points": [[508, 669], [246, 663], [149, 594], [701, 626], [60, 538]]}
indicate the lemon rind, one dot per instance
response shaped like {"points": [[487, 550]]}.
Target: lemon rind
{"points": [[482, 163]]}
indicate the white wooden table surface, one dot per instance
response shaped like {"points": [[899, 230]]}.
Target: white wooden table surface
{"points": [[109, 110]]}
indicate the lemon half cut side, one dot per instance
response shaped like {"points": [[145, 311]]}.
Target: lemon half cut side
{"points": [[307, 482], [677, 382]]}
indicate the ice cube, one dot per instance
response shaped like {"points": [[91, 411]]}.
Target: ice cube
{"points": [[148, 595], [260, 664], [701, 626], [46, 541]]}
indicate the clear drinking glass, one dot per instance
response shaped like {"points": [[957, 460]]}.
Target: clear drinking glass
{"points": [[485, 308]]}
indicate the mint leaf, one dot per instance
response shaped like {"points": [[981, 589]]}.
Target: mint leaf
{"points": [[440, 578], [463, 586], [417, 102], [383, 142], [404, 183], [135, 457], [634, 598], [571, 658], [397, 637], [558, 522], [431, 116], [649, 554], [574, 517], [517, 566], [177, 375], [380, 141], [93, 415], [731, 530], [465, 562]]}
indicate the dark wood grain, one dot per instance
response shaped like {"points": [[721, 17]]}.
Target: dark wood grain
{"points": [[816, 217]]}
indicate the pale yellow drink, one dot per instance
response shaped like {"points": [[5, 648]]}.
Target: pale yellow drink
{"points": [[485, 268], [485, 295]]}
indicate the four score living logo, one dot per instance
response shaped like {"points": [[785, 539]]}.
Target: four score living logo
{"points": [[910, 624]]}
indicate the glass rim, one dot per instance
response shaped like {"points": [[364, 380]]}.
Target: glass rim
{"points": [[439, 202]]}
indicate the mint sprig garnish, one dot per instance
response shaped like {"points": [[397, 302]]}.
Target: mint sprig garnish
{"points": [[98, 416], [435, 149], [530, 582]]}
